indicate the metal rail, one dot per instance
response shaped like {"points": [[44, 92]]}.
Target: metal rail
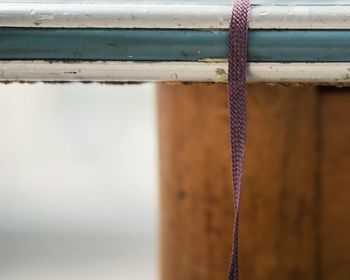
{"points": [[160, 40], [171, 16], [126, 71]]}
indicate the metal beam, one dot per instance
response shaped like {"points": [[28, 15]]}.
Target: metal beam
{"points": [[118, 71], [174, 15], [297, 41]]}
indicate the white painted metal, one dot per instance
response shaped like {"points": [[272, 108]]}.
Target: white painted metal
{"points": [[112, 71], [175, 16], [300, 17], [313, 73]]}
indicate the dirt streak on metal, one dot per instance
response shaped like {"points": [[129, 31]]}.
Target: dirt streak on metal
{"points": [[287, 84]]}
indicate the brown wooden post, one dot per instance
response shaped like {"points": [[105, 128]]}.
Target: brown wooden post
{"points": [[279, 225], [335, 182], [280, 205], [196, 200]]}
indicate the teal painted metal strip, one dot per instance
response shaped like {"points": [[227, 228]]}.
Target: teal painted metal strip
{"points": [[300, 46], [170, 45]]}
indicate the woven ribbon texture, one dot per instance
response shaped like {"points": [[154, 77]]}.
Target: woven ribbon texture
{"points": [[237, 99]]}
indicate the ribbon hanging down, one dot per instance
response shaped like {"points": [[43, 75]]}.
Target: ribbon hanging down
{"points": [[237, 101]]}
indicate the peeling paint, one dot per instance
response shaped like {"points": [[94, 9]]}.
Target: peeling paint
{"points": [[346, 76], [221, 75], [213, 60]]}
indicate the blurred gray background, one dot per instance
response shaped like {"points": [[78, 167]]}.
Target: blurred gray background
{"points": [[78, 182]]}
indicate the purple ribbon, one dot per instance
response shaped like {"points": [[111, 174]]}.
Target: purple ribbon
{"points": [[237, 95]]}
